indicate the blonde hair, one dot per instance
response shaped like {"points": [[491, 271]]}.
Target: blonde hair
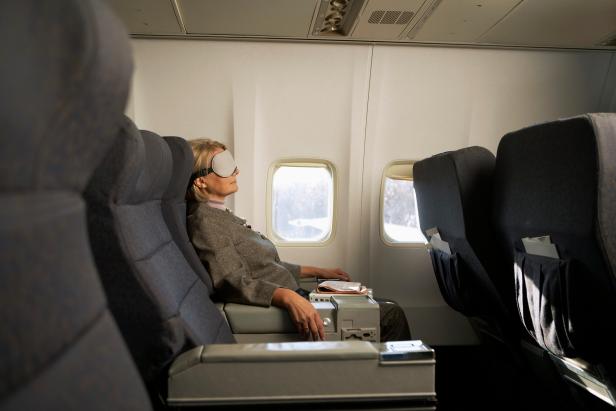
{"points": [[202, 149]]}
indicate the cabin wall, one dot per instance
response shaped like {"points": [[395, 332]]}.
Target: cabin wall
{"points": [[360, 107], [608, 100]]}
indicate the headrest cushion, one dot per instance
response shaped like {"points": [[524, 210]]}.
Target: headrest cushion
{"points": [[454, 191], [64, 77], [182, 167]]}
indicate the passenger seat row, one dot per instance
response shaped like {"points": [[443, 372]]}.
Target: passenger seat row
{"points": [[527, 241], [63, 343], [64, 77]]}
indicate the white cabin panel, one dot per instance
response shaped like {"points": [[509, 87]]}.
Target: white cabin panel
{"points": [[184, 88], [303, 103]]}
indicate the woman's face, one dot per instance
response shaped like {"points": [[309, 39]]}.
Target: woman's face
{"points": [[215, 186]]}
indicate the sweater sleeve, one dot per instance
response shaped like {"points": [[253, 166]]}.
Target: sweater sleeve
{"points": [[294, 269], [229, 271]]}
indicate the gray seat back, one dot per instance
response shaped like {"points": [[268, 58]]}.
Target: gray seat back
{"points": [[64, 77], [557, 179], [454, 193], [174, 204], [160, 304]]}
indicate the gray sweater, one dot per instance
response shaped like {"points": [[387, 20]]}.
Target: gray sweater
{"points": [[243, 263]]}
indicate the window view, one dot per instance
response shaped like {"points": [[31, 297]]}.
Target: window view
{"points": [[302, 202], [400, 222]]}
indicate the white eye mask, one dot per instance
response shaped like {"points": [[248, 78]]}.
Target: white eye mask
{"points": [[223, 164]]}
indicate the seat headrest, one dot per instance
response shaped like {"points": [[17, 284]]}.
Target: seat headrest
{"points": [[127, 177], [121, 167], [156, 173], [64, 78], [543, 165], [454, 191], [182, 167], [558, 178]]}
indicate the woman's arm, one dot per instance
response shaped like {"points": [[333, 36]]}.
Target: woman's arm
{"points": [[302, 312], [307, 271], [230, 273]]}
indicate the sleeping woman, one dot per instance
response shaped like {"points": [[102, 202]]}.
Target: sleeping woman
{"points": [[243, 263]]}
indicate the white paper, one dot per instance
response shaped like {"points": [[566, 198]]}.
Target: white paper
{"points": [[541, 246]]}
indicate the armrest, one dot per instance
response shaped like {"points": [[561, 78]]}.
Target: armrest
{"points": [[250, 319], [344, 318], [299, 372], [275, 352]]}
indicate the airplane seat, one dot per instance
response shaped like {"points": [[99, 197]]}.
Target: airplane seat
{"points": [[248, 323], [555, 205], [64, 77], [454, 191], [161, 306], [178, 338]]}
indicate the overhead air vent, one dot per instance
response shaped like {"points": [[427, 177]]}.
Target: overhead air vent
{"points": [[336, 17], [390, 17], [386, 19]]}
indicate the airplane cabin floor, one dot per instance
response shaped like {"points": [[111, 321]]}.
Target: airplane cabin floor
{"points": [[476, 378]]}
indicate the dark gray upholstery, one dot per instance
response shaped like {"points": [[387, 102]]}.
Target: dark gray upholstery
{"points": [[174, 204], [160, 304], [559, 179], [454, 191], [64, 78], [56, 73]]}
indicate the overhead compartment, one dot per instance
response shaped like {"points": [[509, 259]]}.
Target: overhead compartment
{"points": [[147, 16], [556, 23], [269, 18], [459, 21]]}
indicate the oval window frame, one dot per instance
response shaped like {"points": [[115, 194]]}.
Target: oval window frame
{"points": [[399, 166], [300, 162]]}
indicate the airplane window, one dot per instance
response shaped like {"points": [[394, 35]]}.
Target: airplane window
{"points": [[302, 202], [400, 219]]}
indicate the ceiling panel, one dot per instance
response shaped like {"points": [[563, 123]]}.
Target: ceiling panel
{"points": [[527, 23], [461, 20], [569, 23], [147, 16], [276, 18]]}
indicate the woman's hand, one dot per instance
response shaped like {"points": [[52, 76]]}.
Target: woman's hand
{"points": [[328, 273], [302, 312]]}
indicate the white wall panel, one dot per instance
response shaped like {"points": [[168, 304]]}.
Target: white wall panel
{"points": [[338, 102], [184, 88], [306, 102]]}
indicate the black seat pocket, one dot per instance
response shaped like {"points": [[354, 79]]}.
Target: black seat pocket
{"points": [[542, 287], [454, 281]]}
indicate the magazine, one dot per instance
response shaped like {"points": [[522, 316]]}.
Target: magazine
{"points": [[342, 287]]}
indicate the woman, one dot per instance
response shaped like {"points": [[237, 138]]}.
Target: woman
{"points": [[244, 264]]}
